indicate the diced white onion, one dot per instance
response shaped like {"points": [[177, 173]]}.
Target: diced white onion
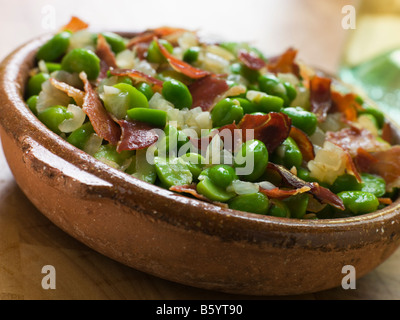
{"points": [[82, 39], [51, 96], [75, 122], [93, 144], [244, 187], [125, 59], [266, 185]]}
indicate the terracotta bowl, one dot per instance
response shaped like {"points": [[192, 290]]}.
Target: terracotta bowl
{"points": [[172, 236]]}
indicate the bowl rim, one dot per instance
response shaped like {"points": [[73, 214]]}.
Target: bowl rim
{"points": [[14, 72]]}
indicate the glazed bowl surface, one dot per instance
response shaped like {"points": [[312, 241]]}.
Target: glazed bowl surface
{"points": [[172, 236]]}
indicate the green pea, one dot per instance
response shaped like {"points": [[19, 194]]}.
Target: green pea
{"points": [[291, 92], [252, 159], [359, 202], [297, 205], [222, 175], [373, 184], [302, 119], [32, 102], [80, 136], [155, 117], [247, 106], [109, 153], [146, 89], [225, 112], [288, 154], [128, 97], [264, 102], [52, 117], [346, 182], [278, 209], [173, 172], [211, 191], [125, 80], [52, 66], [271, 85], [191, 55], [256, 203], [154, 54], [177, 93], [116, 42], [35, 82], [79, 59], [247, 73], [304, 175], [378, 115], [55, 48], [195, 163]]}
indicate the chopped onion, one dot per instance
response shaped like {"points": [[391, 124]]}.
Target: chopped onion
{"points": [[51, 96], [244, 187], [266, 185], [93, 144], [75, 122], [125, 59], [82, 39]]}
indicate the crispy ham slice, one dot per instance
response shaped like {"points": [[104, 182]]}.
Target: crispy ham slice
{"points": [[181, 66], [102, 122], [346, 104], [281, 194], [191, 189], [75, 24], [320, 96], [139, 76], [353, 138], [71, 91], [322, 194], [272, 128], [135, 135], [284, 63], [206, 90], [303, 142], [251, 61]]}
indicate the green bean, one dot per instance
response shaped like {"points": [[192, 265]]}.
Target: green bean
{"points": [[126, 98], [195, 163], [35, 82], [108, 153], [155, 117], [191, 54], [144, 170], [346, 182], [225, 112], [79, 59], [173, 171], [211, 191], [256, 203], [116, 42], [80, 136], [222, 175], [302, 119], [373, 184], [297, 205], [177, 93], [264, 102], [52, 66], [378, 115], [278, 209], [247, 73], [55, 48], [154, 54], [32, 102], [271, 85], [52, 117], [146, 89], [288, 154], [359, 202], [247, 106], [253, 159]]}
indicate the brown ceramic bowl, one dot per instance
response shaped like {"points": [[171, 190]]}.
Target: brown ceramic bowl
{"points": [[172, 236]]}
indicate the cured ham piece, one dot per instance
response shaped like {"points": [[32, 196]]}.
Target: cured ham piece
{"points": [[181, 66], [272, 128], [102, 122], [353, 138], [104, 52], [139, 76], [71, 91], [320, 96], [284, 63], [322, 194], [303, 142], [277, 193], [346, 104], [251, 61], [205, 90], [135, 135], [75, 24]]}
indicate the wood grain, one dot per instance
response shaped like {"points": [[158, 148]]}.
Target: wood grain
{"points": [[29, 241]]}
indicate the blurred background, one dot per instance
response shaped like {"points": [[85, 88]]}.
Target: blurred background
{"points": [[327, 36]]}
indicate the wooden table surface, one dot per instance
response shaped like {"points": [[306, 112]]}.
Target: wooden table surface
{"points": [[29, 241]]}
